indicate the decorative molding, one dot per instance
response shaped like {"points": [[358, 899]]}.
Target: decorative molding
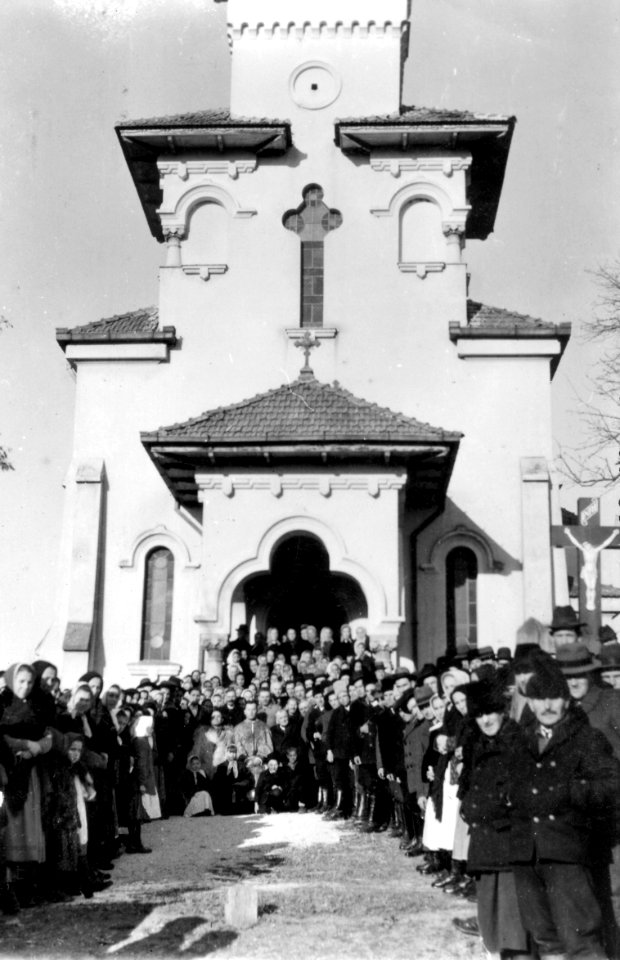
{"points": [[204, 271], [396, 166], [279, 485], [183, 169], [175, 220], [317, 31], [259, 560], [320, 333], [424, 190], [155, 537], [421, 269], [155, 670], [461, 536]]}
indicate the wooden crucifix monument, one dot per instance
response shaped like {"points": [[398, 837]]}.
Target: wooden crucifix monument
{"points": [[590, 539]]}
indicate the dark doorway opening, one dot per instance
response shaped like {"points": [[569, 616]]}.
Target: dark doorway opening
{"points": [[300, 588]]}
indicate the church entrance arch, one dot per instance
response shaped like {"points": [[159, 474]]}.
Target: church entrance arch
{"points": [[300, 588]]}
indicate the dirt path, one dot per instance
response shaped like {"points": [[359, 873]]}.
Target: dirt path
{"points": [[323, 892]]}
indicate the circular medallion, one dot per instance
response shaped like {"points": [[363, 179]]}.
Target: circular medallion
{"points": [[315, 85]]}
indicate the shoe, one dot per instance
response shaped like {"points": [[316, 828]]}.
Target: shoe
{"points": [[9, 904], [442, 878], [467, 890], [468, 925], [453, 886], [99, 875], [104, 865], [429, 868], [415, 849], [139, 849]]}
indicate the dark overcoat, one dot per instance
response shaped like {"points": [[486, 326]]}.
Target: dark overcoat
{"points": [[485, 807], [602, 707], [416, 738], [563, 797]]}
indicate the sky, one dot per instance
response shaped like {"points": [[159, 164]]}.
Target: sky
{"points": [[75, 246]]}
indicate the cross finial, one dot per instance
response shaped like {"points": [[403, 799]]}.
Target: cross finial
{"points": [[307, 343]]}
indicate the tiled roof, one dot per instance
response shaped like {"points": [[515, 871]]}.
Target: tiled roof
{"points": [[135, 325], [607, 590], [483, 317], [303, 410], [428, 115], [200, 118]]}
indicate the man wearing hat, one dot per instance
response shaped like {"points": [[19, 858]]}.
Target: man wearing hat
{"points": [[602, 705], [562, 788], [609, 657], [415, 743], [565, 627], [607, 635]]}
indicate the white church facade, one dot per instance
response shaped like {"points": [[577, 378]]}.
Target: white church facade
{"points": [[315, 424]]}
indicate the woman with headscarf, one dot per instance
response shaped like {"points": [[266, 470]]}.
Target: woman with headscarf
{"points": [[25, 737], [103, 845], [143, 799]]}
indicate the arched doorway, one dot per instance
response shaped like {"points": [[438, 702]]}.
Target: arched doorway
{"points": [[300, 588]]}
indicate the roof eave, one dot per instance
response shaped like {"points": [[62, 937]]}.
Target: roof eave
{"points": [[489, 142], [66, 336], [276, 140]]}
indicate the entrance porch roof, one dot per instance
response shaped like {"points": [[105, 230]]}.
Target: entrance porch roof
{"points": [[304, 424]]}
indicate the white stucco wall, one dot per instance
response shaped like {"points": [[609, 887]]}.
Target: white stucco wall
{"points": [[392, 347]]}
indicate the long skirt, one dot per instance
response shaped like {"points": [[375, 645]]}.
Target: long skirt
{"points": [[498, 913], [200, 803], [24, 837], [431, 837], [449, 813]]}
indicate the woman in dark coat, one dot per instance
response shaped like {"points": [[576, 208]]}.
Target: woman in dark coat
{"points": [[143, 798], [25, 738], [484, 784]]}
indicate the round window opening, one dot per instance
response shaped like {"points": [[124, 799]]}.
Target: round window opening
{"points": [[315, 85]]}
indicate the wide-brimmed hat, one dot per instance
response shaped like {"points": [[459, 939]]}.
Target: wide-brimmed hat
{"points": [[607, 635], [486, 653], [504, 653], [463, 652], [565, 618], [609, 656], [423, 695], [575, 660], [548, 682]]}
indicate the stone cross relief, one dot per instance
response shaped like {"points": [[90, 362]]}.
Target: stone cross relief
{"points": [[312, 221]]}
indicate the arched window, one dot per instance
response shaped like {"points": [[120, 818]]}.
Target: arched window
{"points": [[207, 235], [421, 237], [461, 597], [157, 604]]}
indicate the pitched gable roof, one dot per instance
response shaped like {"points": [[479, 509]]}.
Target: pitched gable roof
{"points": [[135, 326], [303, 411], [418, 114], [201, 118]]}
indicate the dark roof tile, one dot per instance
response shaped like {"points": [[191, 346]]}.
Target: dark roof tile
{"points": [[415, 114], [200, 118], [134, 325], [483, 317], [304, 410]]}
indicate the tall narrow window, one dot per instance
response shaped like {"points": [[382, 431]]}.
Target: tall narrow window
{"points": [[157, 606], [461, 597], [421, 239]]}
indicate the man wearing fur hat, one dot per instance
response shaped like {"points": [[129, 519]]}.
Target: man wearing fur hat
{"points": [[562, 790]]}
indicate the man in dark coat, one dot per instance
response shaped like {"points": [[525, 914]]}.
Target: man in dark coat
{"points": [[562, 790], [602, 708], [415, 744], [340, 745]]}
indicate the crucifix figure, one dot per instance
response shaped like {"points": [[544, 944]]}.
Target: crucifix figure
{"points": [[589, 568], [590, 539], [312, 221]]}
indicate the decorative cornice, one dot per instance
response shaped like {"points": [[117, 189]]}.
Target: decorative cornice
{"points": [[278, 485], [183, 169], [204, 271], [399, 165], [317, 31], [421, 269]]}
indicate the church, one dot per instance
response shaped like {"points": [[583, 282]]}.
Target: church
{"points": [[315, 424]]}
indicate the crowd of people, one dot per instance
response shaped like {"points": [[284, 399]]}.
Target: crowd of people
{"points": [[497, 772]]}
